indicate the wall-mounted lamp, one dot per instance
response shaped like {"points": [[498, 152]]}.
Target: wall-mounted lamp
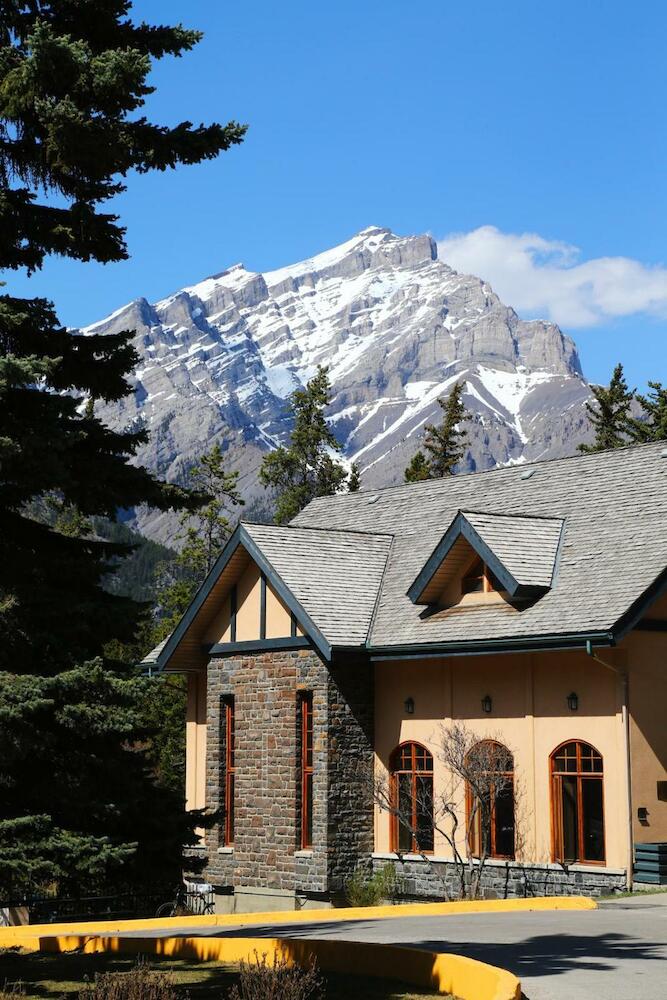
{"points": [[487, 704], [409, 706], [573, 701]]}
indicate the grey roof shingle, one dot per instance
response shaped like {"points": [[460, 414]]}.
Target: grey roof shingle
{"points": [[614, 544], [527, 546], [334, 575]]}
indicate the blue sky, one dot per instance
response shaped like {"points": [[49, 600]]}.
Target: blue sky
{"points": [[530, 138]]}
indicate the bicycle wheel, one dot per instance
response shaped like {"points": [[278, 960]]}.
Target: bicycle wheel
{"points": [[165, 910]]}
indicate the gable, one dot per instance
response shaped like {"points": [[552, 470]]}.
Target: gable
{"points": [[251, 610], [326, 581], [520, 553]]}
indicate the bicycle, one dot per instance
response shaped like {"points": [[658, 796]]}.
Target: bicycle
{"points": [[187, 903]]}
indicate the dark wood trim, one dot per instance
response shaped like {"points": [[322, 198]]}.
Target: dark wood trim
{"points": [[306, 748], [293, 624], [476, 839], [257, 645], [634, 614], [556, 806], [227, 706], [651, 625], [262, 606], [233, 608], [421, 651], [414, 774], [241, 537]]}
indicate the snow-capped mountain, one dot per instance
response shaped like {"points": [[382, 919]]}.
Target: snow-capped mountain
{"points": [[396, 326]]}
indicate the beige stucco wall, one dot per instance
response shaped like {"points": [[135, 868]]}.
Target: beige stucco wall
{"points": [[647, 668], [248, 589], [530, 716], [195, 741]]}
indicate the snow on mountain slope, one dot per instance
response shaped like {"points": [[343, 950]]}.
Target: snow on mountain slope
{"points": [[396, 326]]}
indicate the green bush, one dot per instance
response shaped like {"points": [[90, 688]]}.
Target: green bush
{"points": [[365, 889], [141, 983], [279, 980]]}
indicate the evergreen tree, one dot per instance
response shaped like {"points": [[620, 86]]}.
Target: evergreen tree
{"points": [[610, 414], [652, 425], [418, 469], [78, 809], [73, 78], [354, 482], [79, 801], [306, 468], [444, 443], [204, 534]]}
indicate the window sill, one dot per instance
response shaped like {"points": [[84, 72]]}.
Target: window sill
{"points": [[225, 850], [306, 853]]}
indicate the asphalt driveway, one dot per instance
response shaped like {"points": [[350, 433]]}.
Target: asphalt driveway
{"points": [[617, 952]]}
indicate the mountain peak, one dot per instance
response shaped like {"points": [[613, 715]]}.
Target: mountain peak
{"points": [[396, 328]]}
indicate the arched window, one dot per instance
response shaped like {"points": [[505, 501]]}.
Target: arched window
{"points": [[490, 800], [411, 768], [577, 803]]}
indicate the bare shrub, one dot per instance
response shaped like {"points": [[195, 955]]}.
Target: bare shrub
{"points": [[279, 980], [141, 983]]}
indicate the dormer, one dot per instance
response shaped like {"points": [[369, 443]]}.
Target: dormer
{"points": [[486, 557]]}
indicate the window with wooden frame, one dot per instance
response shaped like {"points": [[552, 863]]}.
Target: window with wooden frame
{"points": [[577, 804], [229, 770], [490, 803], [305, 721], [478, 579], [411, 769]]}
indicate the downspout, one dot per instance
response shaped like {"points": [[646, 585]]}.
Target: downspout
{"points": [[623, 675]]}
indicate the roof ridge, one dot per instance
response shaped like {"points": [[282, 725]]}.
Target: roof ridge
{"points": [[525, 517], [380, 591], [317, 527], [579, 456]]}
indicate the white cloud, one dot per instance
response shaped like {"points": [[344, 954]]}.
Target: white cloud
{"points": [[541, 277]]}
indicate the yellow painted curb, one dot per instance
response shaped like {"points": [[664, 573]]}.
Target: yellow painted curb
{"points": [[14, 936], [445, 973]]}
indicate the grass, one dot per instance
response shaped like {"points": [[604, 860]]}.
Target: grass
{"points": [[53, 977], [635, 893]]}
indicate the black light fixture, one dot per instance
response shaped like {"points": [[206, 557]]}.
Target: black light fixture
{"points": [[409, 706], [573, 701], [487, 704]]}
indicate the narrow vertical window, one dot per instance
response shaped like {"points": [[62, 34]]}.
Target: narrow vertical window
{"points": [[305, 713], [229, 771]]}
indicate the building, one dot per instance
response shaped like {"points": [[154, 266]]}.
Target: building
{"points": [[529, 602]]}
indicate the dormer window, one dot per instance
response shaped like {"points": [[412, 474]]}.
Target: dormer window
{"points": [[511, 555], [479, 579]]}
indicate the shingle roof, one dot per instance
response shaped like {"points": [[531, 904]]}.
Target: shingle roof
{"points": [[334, 575], [614, 545]]}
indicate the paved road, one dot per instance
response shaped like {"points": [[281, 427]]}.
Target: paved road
{"points": [[618, 952]]}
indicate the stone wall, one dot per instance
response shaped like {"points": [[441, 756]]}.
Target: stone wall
{"points": [[266, 851], [434, 880]]}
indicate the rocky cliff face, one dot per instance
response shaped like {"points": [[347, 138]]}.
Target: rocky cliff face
{"points": [[396, 326]]}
